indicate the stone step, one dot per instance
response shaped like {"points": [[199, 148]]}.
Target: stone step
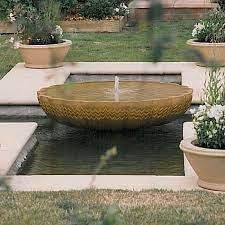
{"points": [[16, 141]]}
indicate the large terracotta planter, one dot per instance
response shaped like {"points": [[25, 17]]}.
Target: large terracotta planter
{"points": [[209, 164], [44, 56], [210, 51]]}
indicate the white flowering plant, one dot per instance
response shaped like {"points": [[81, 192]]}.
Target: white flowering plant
{"points": [[122, 10], [209, 124], [103, 9], [37, 23], [211, 28], [209, 120]]}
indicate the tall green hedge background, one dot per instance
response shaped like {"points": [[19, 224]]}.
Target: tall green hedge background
{"points": [[68, 6]]}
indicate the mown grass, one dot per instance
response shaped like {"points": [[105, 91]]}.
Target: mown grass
{"points": [[89, 207], [130, 45]]}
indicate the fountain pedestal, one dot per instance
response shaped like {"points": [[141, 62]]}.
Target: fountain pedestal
{"points": [[93, 104]]}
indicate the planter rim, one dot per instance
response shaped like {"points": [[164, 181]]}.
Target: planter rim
{"points": [[59, 45], [187, 146], [193, 42]]}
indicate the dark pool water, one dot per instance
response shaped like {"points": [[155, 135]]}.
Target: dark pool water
{"points": [[66, 150]]}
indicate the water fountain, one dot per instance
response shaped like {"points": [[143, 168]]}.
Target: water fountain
{"points": [[117, 89], [115, 105]]}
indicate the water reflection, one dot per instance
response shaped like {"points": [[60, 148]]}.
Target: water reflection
{"points": [[65, 150]]}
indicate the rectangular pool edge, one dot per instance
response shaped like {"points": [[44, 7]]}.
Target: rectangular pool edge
{"points": [[113, 182]]}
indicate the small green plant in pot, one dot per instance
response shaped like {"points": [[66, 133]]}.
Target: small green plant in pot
{"points": [[206, 151], [208, 38], [39, 39]]}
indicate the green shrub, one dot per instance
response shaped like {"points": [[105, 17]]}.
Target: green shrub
{"points": [[98, 9], [211, 28], [68, 7], [5, 6], [221, 3]]}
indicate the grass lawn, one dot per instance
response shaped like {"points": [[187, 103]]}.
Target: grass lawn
{"points": [[89, 207], [129, 45]]}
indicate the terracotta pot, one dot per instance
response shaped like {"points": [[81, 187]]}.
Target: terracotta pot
{"points": [[44, 56], [209, 164], [210, 51]]}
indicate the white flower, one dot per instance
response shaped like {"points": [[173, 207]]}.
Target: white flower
{"points": [[58, 30], [12, 17], [117, 10], [216, 112], [16, 45], [122, 5], [11, 40], [198, 29], [192, 111], [202, 108]]}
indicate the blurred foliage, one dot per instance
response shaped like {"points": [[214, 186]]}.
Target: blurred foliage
{"points": [[158, 43], [113, 216], [103, 162], [3, 184]]}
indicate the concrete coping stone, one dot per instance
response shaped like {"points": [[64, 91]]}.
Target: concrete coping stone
{"points": [[15, 142], [122, 182], [20, 85]]}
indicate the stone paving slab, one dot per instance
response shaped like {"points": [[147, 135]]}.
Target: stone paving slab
{"points": [[134, 68], [122, 182], [10, 112], [20, 85], [194, 77], [13, 139]]}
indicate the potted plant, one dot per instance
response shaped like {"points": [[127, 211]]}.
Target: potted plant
{"points": [[206, 151], [209, 38], [39, 39]]}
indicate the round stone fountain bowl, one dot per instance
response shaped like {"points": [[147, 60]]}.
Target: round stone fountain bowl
{"points": [[96, 105]]}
